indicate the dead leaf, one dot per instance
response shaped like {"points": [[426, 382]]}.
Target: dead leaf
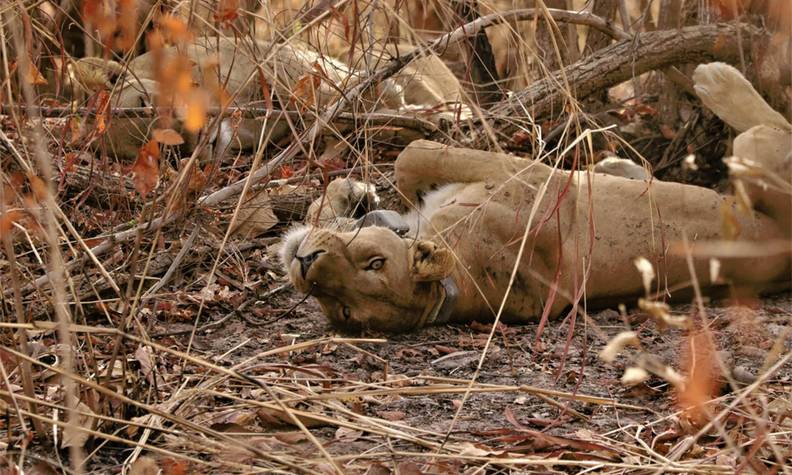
{"points": [[291, 437], [144, 356], [34, 76], [285, 171], [197, 107], [667, 132], [617, 344], [145, 170], [144, 466], [7, 221], [127, 24], [171, 466], [377, 468], [633, 376], [73, 434], [645, 110], [392, 415], [255, 216], [272, 417], [345, 434], [408, 468], [38, 187], [477, 450], [227, 11], [699, 361], [167, 137], [175, 29], [304, 90]]}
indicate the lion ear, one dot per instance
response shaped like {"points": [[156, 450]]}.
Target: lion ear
{"points": [[430, 262]]}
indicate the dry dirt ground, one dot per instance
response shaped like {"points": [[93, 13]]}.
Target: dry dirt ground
{"points": [[207, 390], [386, 406]]}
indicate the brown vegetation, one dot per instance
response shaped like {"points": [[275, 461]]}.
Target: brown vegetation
{"points": [[147, 324]]}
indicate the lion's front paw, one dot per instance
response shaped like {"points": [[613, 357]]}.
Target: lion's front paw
{"points": [[344, 198]]}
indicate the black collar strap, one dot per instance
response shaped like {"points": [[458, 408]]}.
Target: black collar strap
{"points": [[441, 311]]}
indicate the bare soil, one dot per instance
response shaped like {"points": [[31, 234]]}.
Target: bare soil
{"points": [[416, 382]]}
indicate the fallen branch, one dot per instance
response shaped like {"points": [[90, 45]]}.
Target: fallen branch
{"points": [[624, 60], [372, 118]]}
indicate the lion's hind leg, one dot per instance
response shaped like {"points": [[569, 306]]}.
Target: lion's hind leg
{"points": [[761, 165], [726, 92], [762, 161], [425, 166]]}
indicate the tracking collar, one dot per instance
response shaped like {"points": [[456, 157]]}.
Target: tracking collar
{"points": [[443, 307], [441, 310]]}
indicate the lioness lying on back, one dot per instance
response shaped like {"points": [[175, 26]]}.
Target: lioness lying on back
{"points": [[452, 259]]}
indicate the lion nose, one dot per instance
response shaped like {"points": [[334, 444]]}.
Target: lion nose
{"points": [[307, 261]]}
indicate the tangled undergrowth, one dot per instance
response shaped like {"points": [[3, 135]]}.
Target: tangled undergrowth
{"points": [[147, 325]]}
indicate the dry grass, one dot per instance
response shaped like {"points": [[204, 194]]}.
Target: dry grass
{"points": [[140, 333]]}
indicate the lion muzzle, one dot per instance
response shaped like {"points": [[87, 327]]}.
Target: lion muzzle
{"points": [[307, 261]]}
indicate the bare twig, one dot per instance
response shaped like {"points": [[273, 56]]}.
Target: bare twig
{"points": [[56, 269]]}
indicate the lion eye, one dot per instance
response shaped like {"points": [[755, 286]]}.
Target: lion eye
{"points": [[376, 264], [347, 312]]}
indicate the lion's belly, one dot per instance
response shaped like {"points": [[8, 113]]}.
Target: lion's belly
{"points": [[480, 224], [598, 240]]}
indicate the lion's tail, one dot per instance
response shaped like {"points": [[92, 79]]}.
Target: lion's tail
{"points": [[726, 92]]}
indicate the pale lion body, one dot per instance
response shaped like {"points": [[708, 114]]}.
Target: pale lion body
{"points": [[574, 232], [241, 67]]}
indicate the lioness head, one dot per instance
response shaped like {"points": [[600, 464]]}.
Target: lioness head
{"points": [[369, 278]]}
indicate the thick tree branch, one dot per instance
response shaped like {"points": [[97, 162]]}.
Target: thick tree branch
{"points": [[624, 60]]}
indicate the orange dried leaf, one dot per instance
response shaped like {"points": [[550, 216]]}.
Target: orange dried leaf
{"points": [[702, 383], [195, 115], [127, 24], [155, 41], [667, 132], [286, 171], [171, 466], [145, 170], [183, 80], [167, 137], [102, 104], [90, 10], [211, 81], [304, 91], [720, 42], [227, 11], [93, 242], [7, 221], [175, 29], [265, 89], [73, 130], [101, 124], [34, 76], [645, 110], [38, 187], [199, 178]]}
